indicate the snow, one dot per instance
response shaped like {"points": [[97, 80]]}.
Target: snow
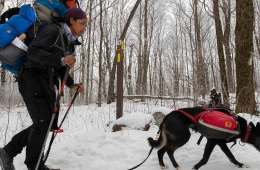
{"points": [[88, 143], [134, 120]]}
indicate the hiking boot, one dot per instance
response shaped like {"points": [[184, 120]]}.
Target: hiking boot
{"points": [[5, 161]]}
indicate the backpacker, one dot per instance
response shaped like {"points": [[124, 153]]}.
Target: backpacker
{"points": [[217, 124], [12, 48]]}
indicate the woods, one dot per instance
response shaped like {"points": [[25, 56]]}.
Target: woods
{"points": [[168, 48]]}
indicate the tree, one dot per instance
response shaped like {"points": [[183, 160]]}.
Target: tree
{"points": [[100, 53], [221, 56], [111, 87], [200, 74], [88, 53], [245, 91], [226, 41]]}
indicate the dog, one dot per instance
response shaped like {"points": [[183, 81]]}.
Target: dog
{"points": [[174, 133]]}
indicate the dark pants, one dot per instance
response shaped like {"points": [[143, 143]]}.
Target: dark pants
{"points": [[39, 96]]}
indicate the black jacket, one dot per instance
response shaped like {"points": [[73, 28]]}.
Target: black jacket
{"points": [[47, 49]]}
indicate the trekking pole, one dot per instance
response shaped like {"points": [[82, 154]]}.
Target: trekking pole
{"points": [[55, 112], [54, 134]]}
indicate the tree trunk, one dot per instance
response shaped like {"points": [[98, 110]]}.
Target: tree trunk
{"points": [[3, 77], [88, 54], [221, 57], [129, 71], [2, 4], [226, 41], [100, 54], [201, 81], [2, 71], [245, 91], [146, 52], [139, 58]]}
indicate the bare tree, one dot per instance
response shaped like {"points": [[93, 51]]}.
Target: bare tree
{"points": [[222, 66], [100, 53], [2, 4], [226, 8], [111, 94], [201, 80], [88, 52]]}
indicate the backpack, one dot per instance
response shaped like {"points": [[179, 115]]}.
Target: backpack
{"points": [[218, 124], [12, 49]]}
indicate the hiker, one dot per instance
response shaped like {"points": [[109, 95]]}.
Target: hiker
{"points": [[215, 99], [48, 56]]}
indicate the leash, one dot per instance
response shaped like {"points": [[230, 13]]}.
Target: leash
{"points": [[158, 132], [143, 160]]}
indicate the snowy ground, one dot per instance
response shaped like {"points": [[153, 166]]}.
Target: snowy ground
{"points": [[89, 144]]}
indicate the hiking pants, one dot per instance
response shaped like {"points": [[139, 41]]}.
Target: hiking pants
{"points": [[39, 96]]}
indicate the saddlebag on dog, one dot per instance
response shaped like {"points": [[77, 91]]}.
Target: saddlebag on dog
{"points": [[217, 125]]}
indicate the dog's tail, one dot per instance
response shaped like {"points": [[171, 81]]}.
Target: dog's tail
{"points": [[160, 142], [153, 143]]}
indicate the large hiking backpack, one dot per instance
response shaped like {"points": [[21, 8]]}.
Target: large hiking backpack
{"points": [[12, 49], [47, 9]]}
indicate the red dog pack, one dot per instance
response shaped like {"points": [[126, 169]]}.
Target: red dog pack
{"points": [[217, 125]]}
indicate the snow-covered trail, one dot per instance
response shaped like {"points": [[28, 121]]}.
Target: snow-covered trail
{"points": [[88, 144]]}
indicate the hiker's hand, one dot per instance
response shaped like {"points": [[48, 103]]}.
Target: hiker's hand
{"points": [[78, 87], [69, 60]]}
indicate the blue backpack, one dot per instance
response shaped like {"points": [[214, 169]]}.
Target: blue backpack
{"points": [[54, 5], [11, 56]]}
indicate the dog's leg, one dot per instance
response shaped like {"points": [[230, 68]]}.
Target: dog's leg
{"points": [[160, 153], [171, 156], [229, 154], [207, 152]]}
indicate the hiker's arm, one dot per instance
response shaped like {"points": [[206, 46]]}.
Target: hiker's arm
{"points": [[42, 50]]}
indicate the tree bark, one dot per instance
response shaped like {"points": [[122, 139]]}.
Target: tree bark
{"points": [[221, 57], [139, 57], [245, 91], [2, 4], [201, 80], [100, 54], [146, 52], [226, 41], [88, 54], [129, 71]]}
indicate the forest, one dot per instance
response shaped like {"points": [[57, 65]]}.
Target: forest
{"points": [[169, 48]]}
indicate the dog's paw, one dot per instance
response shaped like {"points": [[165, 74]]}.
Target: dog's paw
{"points": [[164, 167]]}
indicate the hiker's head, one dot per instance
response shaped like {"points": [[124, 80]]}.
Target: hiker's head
{"points": [[77, 20]]}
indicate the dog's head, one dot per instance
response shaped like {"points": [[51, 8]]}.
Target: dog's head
{"points": [[254, 137]]}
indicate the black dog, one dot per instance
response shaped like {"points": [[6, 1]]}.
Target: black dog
{"points": [[174, 133]]}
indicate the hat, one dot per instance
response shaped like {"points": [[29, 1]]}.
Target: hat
{"points": [[76, 13]]}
